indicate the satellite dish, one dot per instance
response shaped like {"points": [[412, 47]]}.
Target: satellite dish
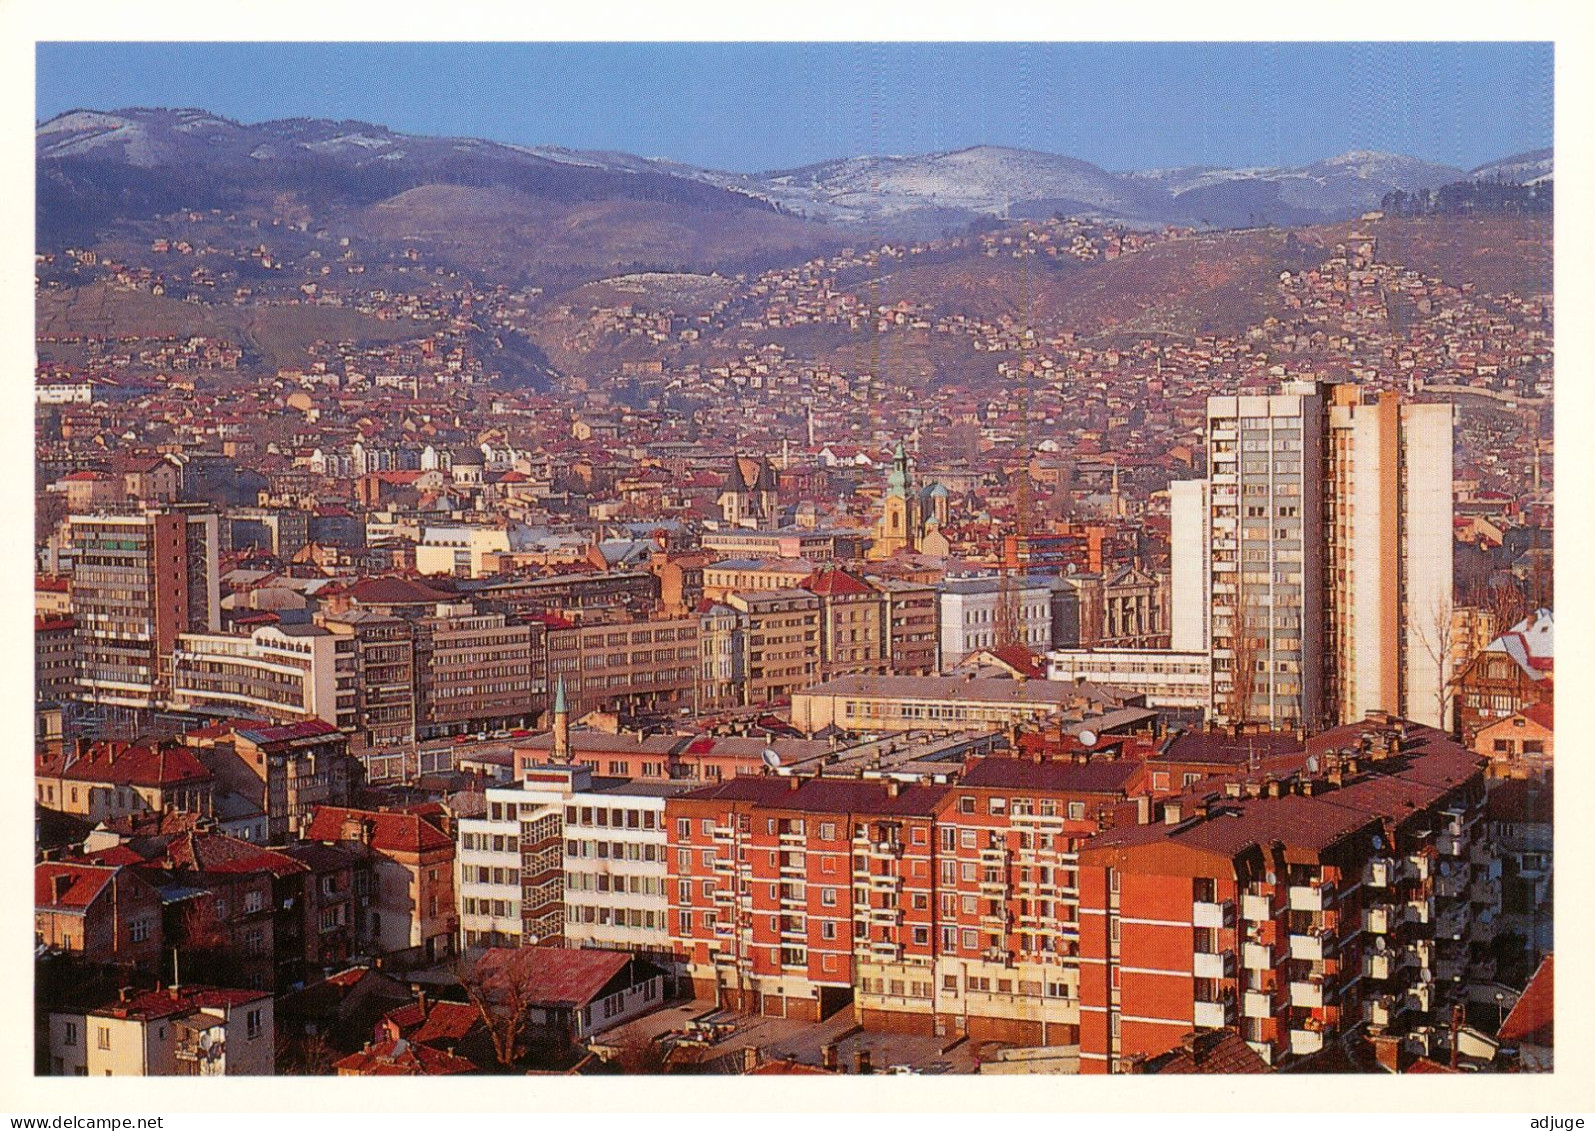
{"points": [[204, 1040], [771, 758], [1088, 738], [1312, 763], [1378, 843], [1271, 878]]}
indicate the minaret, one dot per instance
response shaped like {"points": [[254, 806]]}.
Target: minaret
{"points": [[561, 751]]}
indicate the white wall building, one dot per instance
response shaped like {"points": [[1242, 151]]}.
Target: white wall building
{"points": [[1170, 679], [564, 854], [282, 671], [971, 616], [1190, 565]]}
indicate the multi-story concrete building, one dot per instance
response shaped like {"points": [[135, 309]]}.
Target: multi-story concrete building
{"points": [[972, 615], [1388, 517], [1293, 912], [1172, 681], [384, 688], [1266, 503], [1315, 560], [944, 703], [615, 660], [785, 892], [280, 671], [911, 624], [783, 641], [55, 658], [475, 672], [722, 651], [567, 858], [738, 575], [139, 581]]}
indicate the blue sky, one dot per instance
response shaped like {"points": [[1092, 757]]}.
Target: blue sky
{"points": [[757, 106]]}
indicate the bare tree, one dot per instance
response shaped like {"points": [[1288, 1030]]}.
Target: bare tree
{"points": [[499, 983], [1435, 628]]}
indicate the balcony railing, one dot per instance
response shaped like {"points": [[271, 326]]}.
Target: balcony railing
{"points": [[1256, 956], [1306, 897], [1311, 946], [1307, 995], [1212, 965], [1211, 1014], [1256, 908], [1214, 915], [1304, 1042], [1255, 1003]]}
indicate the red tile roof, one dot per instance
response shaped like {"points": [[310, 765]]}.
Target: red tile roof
{"points": [[120, 763], [390, 832], [403, 1058], [1532, 1020], [84, 884], [554, 976]]}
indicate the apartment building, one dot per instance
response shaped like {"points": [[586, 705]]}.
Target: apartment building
{"points": [[279, 671], [911, 624], [617, 661], [1358, 893], [1315, 560], [285, 771], [852, 624], [475, 672], [722, 651], [384, 681], [1388, 516], [1266, 507], [785, 892], [1007, 897], [180, 1031], [55, 658], [139, 581], [409, 909], [783, 641], [567, 858]]}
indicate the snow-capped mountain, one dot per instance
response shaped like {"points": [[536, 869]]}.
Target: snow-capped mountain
{"points": [[1520, 169], [893, 195]]}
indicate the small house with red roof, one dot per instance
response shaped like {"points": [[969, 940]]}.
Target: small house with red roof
{"points": [[102, 781], [103, 914]]}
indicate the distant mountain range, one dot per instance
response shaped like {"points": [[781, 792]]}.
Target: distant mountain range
{"points": [[95, 167]]}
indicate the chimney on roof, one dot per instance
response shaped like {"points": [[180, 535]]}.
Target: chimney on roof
{"points": [[893, 787], [793, 782], [1143, 809], [1171, 812], [1386, 1050]]}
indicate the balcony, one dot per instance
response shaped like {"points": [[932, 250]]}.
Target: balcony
{"points": [[1212, 965], [1418, 866], [1215, 915], [1256, 956], [1421, 997], [1307, 995], [1419, 911], [1380, 873], [1211, 1015], [1311, 946], [1379, 920], [1452, 924], [1450, 845], [1255, 1003], [723, 834], [1306, 897], [1379, 965], [1482, 928], [1304, 1042], [1256, 908], [1487, 892]]}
